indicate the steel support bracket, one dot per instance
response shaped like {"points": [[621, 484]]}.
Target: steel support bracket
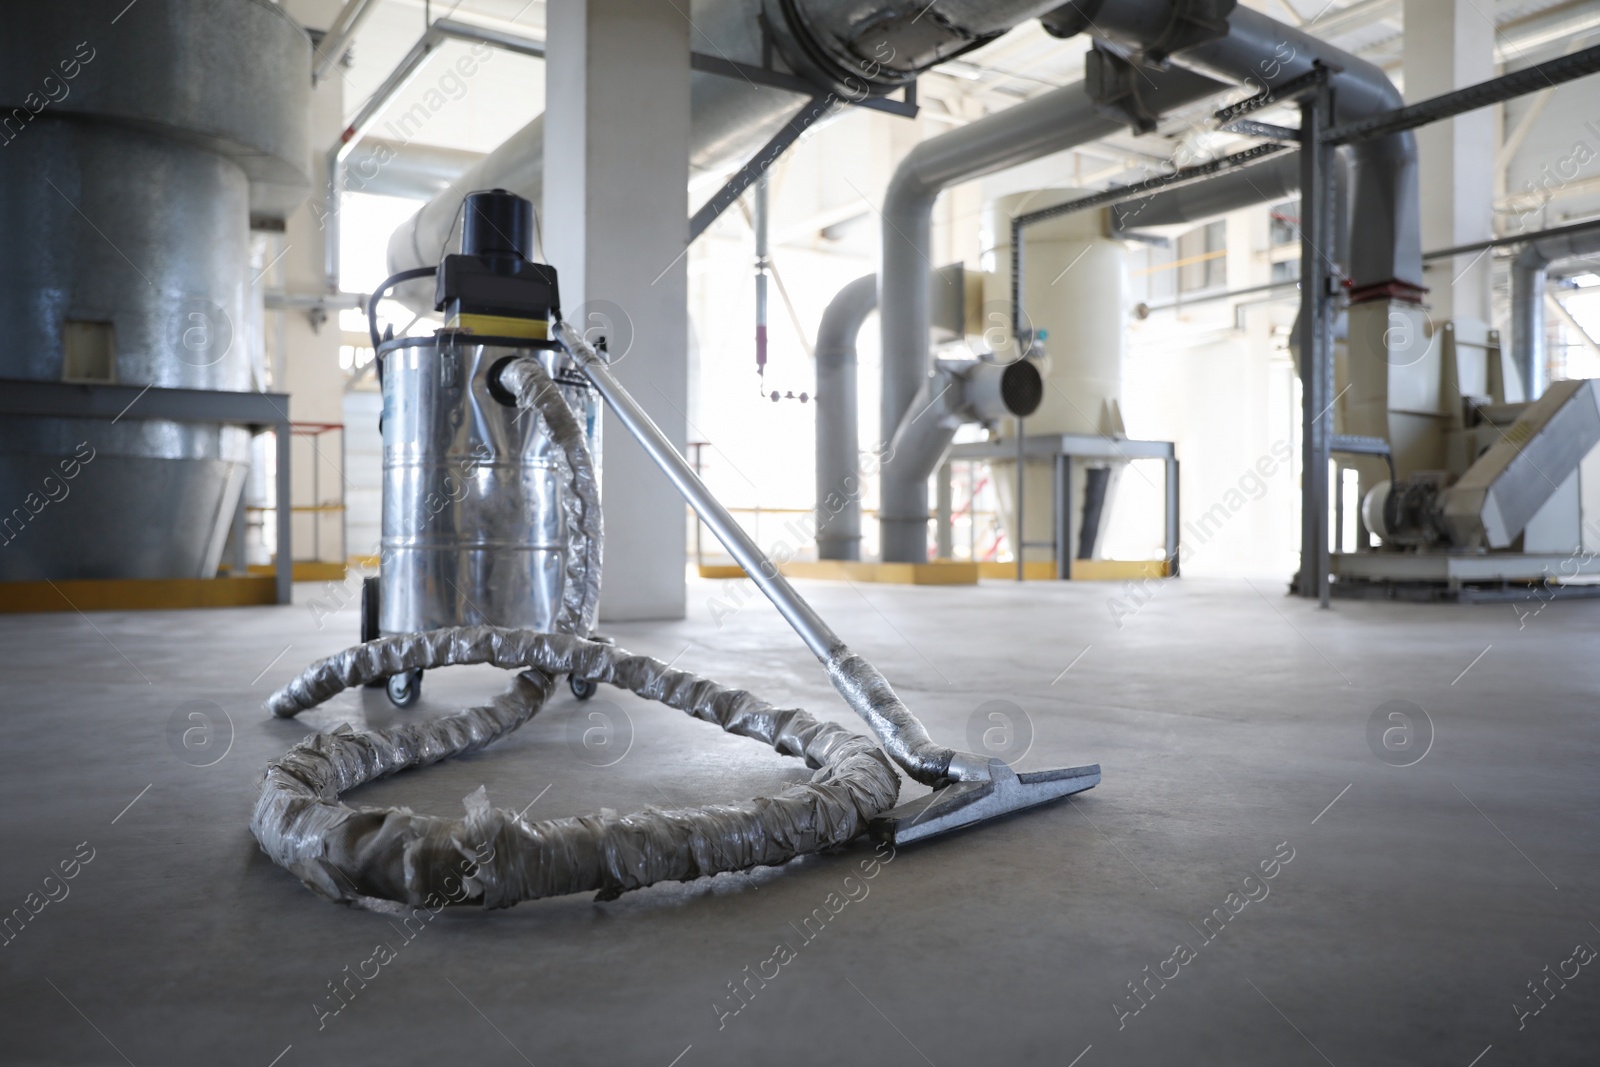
{"points": [[1191, 22], [758, 164], [1113, 82]]}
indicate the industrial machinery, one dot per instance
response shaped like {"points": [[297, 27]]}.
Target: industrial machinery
{"points": [[492, 540], [1076, 290], [1473, 492]]}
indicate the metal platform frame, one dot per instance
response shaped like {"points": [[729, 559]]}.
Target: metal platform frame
{"points": [[257, 411], [1061, 449]]}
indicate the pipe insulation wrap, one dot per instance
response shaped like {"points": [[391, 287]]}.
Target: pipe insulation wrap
{"points": [[381, 858], [536, 393]]}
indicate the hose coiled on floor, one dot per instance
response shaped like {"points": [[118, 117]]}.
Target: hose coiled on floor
{"points": [[369, 856], [394, 860]]}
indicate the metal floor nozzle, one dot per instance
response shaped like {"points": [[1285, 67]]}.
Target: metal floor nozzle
{"points": [[966, 803]]}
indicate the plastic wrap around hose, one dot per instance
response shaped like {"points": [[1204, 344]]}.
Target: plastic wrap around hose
{"points": [[370, 856], [580, 596], [391, 859]]}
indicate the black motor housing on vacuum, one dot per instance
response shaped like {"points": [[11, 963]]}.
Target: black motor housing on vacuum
{"points": [[493, 286]]}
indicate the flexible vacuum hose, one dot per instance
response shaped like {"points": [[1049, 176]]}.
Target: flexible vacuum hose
{"points": [[390, 859]]}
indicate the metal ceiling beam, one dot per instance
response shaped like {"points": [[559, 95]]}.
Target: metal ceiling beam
{"points": [[1447, 105], [339, 35], [432, 38]]}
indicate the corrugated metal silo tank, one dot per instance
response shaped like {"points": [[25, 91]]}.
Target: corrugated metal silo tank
{"points": [[135, 144]]}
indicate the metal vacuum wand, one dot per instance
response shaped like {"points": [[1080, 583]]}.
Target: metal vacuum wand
{"points": [[968, 788]]}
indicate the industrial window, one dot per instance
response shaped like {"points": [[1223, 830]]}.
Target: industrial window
{"points": [[1202, 262]]}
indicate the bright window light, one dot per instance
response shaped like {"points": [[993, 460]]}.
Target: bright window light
{"points": [[365, 223]]}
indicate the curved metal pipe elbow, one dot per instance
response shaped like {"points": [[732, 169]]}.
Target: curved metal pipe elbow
{"points": [[838, 441], [918, 447]]}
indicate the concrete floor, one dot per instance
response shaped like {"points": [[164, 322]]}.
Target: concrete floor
{"points": [[1231, 722]]}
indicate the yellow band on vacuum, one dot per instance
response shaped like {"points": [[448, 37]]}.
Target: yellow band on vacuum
{"points": [[500, 326]]}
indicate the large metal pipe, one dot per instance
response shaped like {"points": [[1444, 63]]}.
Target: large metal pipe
{"points": [[1275, 179], [954, 395], [1527, 301], [873, 46], [919, 446], [1051, 122], [852, 48], [413, 171], [838, 441], [1259, 51], [338, 155], [1527, 319]]}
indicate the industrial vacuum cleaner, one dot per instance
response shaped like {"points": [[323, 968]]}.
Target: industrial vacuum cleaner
{"points": [[491, 554]]}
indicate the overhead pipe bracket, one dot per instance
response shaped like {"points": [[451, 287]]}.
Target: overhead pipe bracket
{"points": [[1113, 83], [1184, 24]]}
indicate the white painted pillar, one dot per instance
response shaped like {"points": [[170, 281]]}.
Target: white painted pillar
{"points": [[615, 220], [1449, 44], [309, 358]]}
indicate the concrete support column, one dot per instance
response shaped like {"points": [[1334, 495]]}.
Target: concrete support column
{"points": [[308, 359], [616, 164], [1449, 44]]}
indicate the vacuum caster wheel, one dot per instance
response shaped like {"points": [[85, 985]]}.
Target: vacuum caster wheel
{"points": [[404, 689], [582, 688], [369, 617]]}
